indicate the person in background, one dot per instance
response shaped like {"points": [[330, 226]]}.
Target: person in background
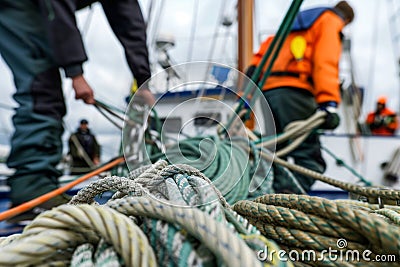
{"points": [[36, 39], [84, 149], [382, 121], [304, 79]]}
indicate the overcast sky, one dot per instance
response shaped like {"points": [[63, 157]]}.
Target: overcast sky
{"points": [[372, 51]]}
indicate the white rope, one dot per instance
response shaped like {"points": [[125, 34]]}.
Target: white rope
{"points": [[213, 234], [68, 226]]}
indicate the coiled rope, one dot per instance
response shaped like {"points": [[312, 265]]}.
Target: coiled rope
{"points": [[68, 226], [228, 165], [170, 215], [300, 223]]}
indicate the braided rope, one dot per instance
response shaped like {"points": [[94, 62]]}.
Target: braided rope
{"points": [[275, 215], [174, 246], [296, 129], [190, 187], [365, 191], [193, 188], [223, 242], [183, 168], [231, 175], [392, 215], [137, 172], [152, 181], [68, 226], [9, 239], [122, 184], [31, 250], [377, 231], [302, 239], [301, 130], [366, 205], [103, 255], [305, 225]]}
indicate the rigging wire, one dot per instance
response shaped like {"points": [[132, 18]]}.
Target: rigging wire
{"points": [[153, 30], [395, 32], [84, 32], [210, 55], [193, 30], [108, 118], [153, 24], [150, 9], [225, 40], [88, 21], [374, 41], [371, 73], [216, 31]]}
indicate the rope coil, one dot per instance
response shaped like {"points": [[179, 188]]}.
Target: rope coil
{"points": [[301, 223], [141, 229]]}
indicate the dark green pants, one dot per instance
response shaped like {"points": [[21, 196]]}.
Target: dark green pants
{"points": [[291, 104], [36, 146]]}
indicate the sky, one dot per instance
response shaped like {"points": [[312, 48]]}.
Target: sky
{"points": [[192, 24]]}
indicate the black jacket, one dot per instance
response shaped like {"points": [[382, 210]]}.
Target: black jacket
{"points": [[125, 19], [89, 144]]}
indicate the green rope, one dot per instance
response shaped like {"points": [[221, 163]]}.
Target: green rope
{"points": [[341, 162], [224, 162], [237, 172], [104, 255]]}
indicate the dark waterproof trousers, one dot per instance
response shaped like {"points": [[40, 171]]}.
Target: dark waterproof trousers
{"points": [[288, 105], [36, 143]]}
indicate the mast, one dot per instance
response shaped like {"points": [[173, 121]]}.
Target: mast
{"points": [[245, 33]]}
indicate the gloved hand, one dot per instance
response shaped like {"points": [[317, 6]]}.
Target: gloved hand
{"points": [[332, 118], [378, 122]]}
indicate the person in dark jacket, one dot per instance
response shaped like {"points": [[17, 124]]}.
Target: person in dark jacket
{"points": [[37, 37], [84, 149]]}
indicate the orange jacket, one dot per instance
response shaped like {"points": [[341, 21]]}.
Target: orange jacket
{"points": [[320, 61], [384, 123]]}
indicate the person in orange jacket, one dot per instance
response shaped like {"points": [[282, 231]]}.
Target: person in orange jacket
{"points": [[383, 121], [305, 78]]}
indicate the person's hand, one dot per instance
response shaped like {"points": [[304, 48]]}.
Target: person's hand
{"points": [[82, 89], [146, 96], [332, 118], [96, 161]]}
